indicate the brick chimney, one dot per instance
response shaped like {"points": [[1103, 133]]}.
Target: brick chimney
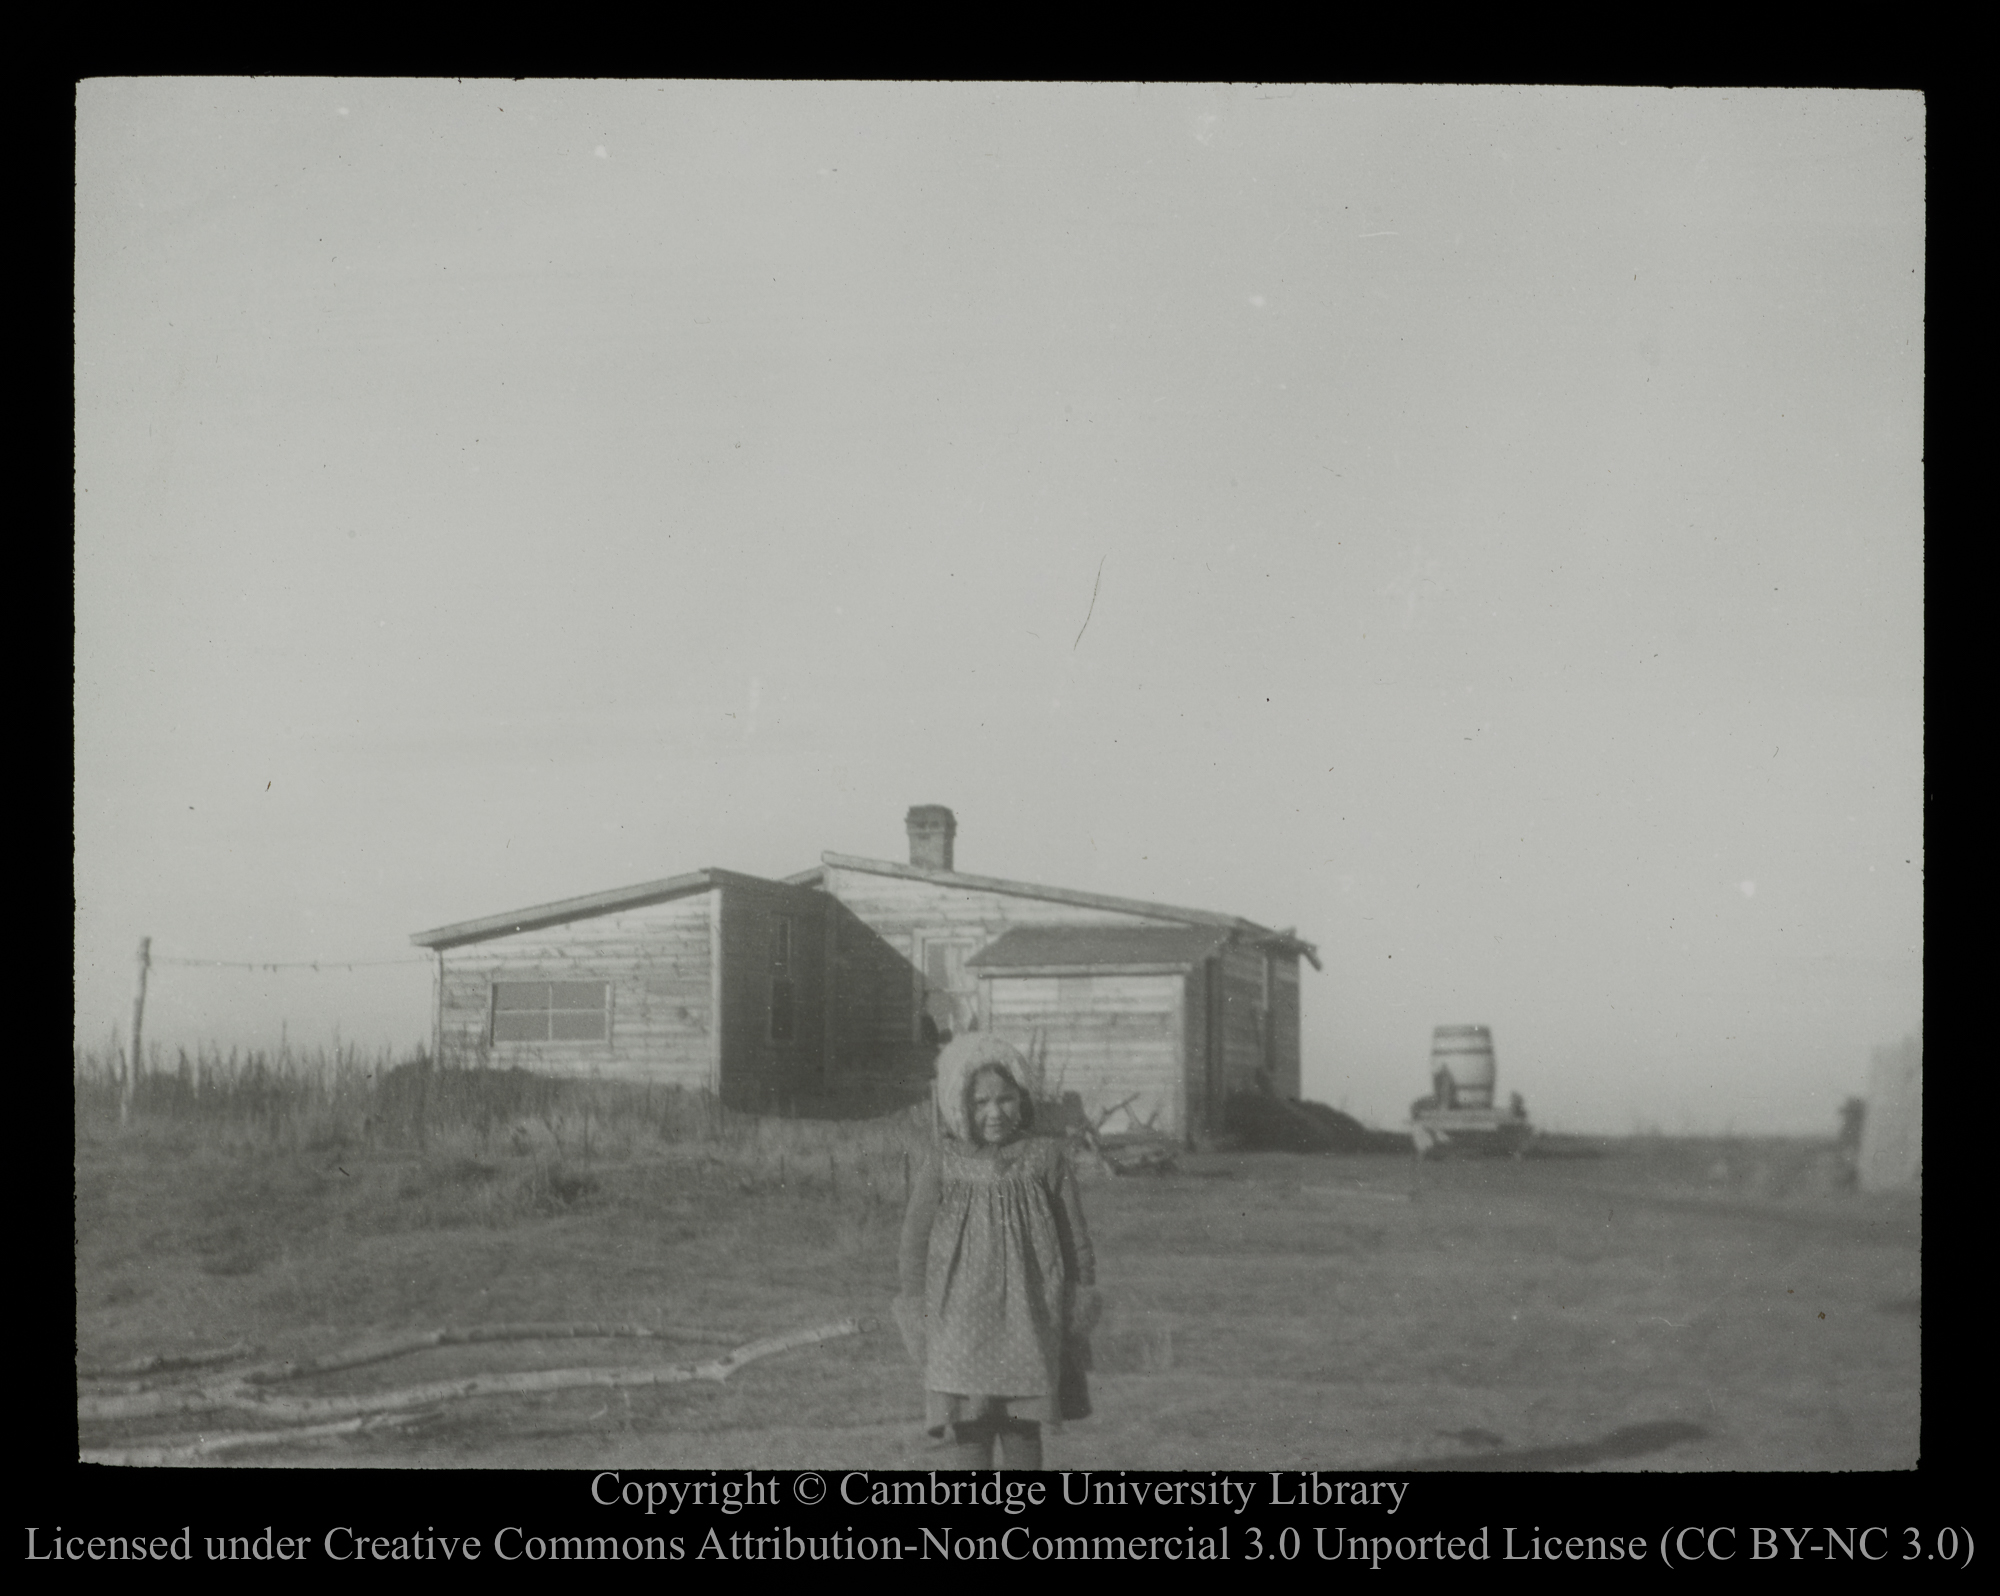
{"points": [[932, 828]]}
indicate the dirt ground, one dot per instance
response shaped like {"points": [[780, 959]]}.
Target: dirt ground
{"points": [[1662, 1306]]}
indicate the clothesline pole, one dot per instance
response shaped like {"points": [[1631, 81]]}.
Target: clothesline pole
{"points": [[136, 1062]]}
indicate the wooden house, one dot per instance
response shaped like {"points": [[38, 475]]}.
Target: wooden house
{"points": [[850, 975]]}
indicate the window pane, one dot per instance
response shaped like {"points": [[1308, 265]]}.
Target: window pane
{"points": [[781, 944], [576, 1027], [781, 1011], [514, 1026], [576, 995], [520, 994]]}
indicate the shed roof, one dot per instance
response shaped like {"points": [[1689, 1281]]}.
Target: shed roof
{"points": [[1246, 930], [584, 908], [1052, 948]]}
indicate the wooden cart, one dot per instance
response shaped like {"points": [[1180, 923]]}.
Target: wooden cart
{"points": [[1444, 1132]]}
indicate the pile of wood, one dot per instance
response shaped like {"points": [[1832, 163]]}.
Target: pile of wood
{"points": [[1137, 1155], [1098, 1151]]}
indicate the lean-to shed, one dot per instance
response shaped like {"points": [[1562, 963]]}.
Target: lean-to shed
{"points": [[708, 980], [1167, 1020]]}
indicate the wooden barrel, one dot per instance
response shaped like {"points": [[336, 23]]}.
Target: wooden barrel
{"points": [[1465, 1053]]}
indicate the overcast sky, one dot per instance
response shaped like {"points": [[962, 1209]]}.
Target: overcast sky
{"points": [[1482, 528]]}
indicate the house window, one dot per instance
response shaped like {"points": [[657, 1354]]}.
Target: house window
{"points": [[782, 989], [947, 992], [551, 1011]]}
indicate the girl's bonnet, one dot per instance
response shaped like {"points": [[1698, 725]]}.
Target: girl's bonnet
{"points": [[964, 1057]]}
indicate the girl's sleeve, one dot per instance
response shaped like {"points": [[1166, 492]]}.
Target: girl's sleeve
{"points": [[914, 1252], [1082, 1259]]}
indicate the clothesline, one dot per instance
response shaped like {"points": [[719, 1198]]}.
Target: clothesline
{"points": [[290, 964]]}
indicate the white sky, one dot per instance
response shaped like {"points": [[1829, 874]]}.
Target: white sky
{"points": [[1508, 506]]}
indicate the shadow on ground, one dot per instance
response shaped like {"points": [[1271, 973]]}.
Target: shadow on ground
{"points": [[1633, 1440]]}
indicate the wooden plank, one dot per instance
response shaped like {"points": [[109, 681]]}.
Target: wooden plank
{"points": [[1006, 1007], [631, 997], [1090, 972]]}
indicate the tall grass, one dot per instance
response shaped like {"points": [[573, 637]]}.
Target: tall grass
{"points": [[471, 1124]]}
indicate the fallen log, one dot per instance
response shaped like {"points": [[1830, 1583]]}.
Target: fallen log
{"points": [[159, 1362], [182, 1451], [240, 1396], [475, 1335]]}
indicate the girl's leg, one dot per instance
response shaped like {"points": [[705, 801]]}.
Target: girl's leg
{"points": [[1021, 1446], [972, 1445]]}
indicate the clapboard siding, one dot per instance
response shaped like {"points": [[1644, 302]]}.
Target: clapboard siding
{"points": [[880, 938], [657, 962], [1084, 994], [1106, 1038]]}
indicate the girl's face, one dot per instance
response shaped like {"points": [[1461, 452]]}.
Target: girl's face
{"points": [[996, 1108]]}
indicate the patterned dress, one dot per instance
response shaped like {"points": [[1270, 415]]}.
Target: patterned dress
{"points": [[994, 1246]]}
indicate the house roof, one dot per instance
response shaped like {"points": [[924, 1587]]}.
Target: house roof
{"points": [[595, 903], [1246, 930], [651, 892], [1053, 949]]}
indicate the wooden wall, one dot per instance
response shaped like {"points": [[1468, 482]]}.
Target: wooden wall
{"points": [[1260, 1021], [657, 961], [1104, 1037], [1244, 1027], [874, 1024], [680, 1018], [1285, 1043], [1199, 1022], [871, 983], [758, 1069]]}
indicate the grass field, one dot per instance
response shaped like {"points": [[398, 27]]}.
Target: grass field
{"points": [[1648, 1303]]}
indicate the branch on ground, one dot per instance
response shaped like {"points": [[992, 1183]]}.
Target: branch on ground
{"points": [[182, 1451], [474, 1335], [240, 1396]]}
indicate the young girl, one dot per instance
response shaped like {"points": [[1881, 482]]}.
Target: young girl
{"points": [[998, 1284]]}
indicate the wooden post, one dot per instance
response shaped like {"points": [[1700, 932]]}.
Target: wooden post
{"points": [[137, 1061]]}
